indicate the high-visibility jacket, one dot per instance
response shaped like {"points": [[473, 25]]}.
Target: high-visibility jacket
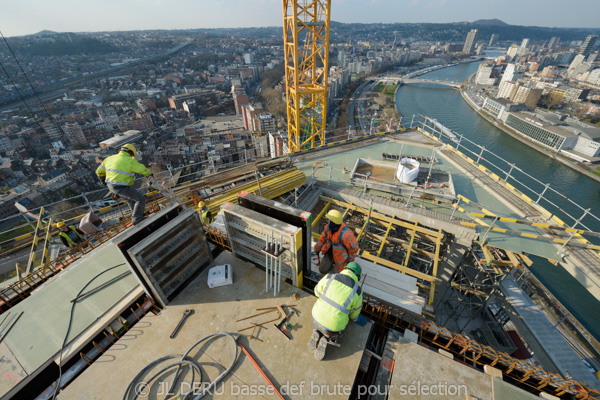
{"points": [[343, 243], [120, 169], [206, 216], [72, 237], [340, 299]]}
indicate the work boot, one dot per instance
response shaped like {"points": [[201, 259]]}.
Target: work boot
{"points": [[312, 342], [137, 221], [321, 348]]}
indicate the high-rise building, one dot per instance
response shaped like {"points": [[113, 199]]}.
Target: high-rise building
{"points": [[511, 73], [513, 51], [588, 45], [506, 89], [248, 58], [554, 42], [240, 98], [524, 43], [470, 42], [493, 39], [527, 96]]}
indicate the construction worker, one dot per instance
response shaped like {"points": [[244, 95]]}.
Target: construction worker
{"points": [[69, 235], [205, 214], [339, 300], [337, 243], [118, 171]]}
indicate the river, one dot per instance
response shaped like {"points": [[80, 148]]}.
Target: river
{"points": [[447, 106]]}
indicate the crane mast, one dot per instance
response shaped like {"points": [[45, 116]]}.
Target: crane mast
{"points": [[306, 50]]}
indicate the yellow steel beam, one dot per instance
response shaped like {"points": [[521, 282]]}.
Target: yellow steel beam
{"points": [[34, 243], [410, 245], [320, 215], [387, 232], [44, 259], [408, 271]]}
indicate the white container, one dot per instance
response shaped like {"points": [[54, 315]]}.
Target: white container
{"points": [[407, 171], [220, 275]]}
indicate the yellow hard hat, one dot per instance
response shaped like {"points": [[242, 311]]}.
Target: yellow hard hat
{"points": [[59, 224], [334, 216], [129, 148], [201, 203]]}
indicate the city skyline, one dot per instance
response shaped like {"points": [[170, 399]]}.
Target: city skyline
{"points": [[126, 15]]}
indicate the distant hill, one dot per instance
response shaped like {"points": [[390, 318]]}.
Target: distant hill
{"points": [[44, 33], [61, 44], [490, 22]]}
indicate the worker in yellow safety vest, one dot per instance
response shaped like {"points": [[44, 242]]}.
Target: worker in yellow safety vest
{"points": [[118, 172], [205, 214], [339, 300], [337, 243], [69, 235]]}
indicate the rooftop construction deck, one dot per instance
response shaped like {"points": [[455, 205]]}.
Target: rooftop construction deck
{"points": [[421, 267], [286, 362]]}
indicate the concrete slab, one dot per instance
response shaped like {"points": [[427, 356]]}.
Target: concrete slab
{"points": [[286, 362], [36, 338], [420, 373]]}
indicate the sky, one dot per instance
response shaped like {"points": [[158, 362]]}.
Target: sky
{"points": [[26, 17]]}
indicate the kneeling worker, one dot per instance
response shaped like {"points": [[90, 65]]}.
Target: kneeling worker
{"points": [[118, 171], [339, 300], [69, 235], [337, 243]]}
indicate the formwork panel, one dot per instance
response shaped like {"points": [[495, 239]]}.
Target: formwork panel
{"points": [[171, 255], [248, 231]]}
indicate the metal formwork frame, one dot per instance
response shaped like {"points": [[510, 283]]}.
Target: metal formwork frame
{"points": [[248, 232], [420, 251], [306, 46]]}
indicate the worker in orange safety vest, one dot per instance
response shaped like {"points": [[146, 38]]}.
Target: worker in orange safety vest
{"points": [[337, 243]]}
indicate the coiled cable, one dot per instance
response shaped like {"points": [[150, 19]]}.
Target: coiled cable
{"points": [[183, 361]]}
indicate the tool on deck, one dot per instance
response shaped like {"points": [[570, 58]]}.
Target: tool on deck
{"points": [[186, 314], [284, 326]]}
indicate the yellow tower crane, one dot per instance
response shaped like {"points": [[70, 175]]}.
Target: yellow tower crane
{"points": [[306, 49]]}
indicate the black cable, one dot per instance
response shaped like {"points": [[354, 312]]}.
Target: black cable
{"points": [[184, 360], [71, 323], [60, 131]]}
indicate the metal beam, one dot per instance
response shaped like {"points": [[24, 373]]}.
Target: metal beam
{"points": [[408, 271], [34, 243], [410, 245], [387, 232], [385, 218]]}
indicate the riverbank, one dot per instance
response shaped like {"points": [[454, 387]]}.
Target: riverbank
{"points": [[557, 157]]}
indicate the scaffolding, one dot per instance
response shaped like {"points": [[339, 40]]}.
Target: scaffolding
{"points": [[306, 55], [406, 247], [471, 289]]}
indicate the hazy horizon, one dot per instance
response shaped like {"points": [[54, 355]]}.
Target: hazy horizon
{"points": [[24, 18]]}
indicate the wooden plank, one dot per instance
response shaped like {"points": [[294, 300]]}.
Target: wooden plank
{"points": [[386, 274], [394, 290], [400, 268]]}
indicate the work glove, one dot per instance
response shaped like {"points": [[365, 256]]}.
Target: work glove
{"points": [[103, 179]]}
